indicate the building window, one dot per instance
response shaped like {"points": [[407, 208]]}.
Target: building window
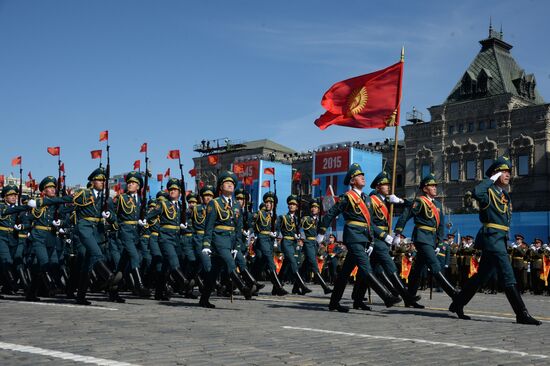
{"points": [[470, 169], [453, 168], [486, 164], [523, 165], [481, 125], [461, 128], [426, 169], [451, 130], [492, 124], [470, 127]]}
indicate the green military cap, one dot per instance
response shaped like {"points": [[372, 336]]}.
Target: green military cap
{"points": [[9, 189], [269, 196], [500, 164], [89, 185], [240, 193], [519, 236], [49, 181], [191, 197], [381, 178], [226, 176], [428, 180], [173, 183], [98, 174], [161, 195], [292, 199], [354, 170], [315, 203], [207, 190], [134, 177]]}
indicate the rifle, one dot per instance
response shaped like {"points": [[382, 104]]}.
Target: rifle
{"points": [[274, 216], [143, 208], [20, 185], [105, 202], [183, 215]]}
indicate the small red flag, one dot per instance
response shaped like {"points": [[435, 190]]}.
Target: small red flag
{"points": [[61, 180], [167, 173], [16, 161], [2, 180], [266, 184], [269, 171], [193, 172], [297, 177], [30, 175], [201, 184], [96, 154], [28, 184], [159, 177], [173, 154], [137, 164], [104, 135], [248, 181], [62, 167], [366, 101], [213, 159], [143, 147], [54, 151], [316, 182], [238, 168]]}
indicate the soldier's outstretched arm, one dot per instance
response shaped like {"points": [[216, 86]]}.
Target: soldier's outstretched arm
{"points": [[410, 208], [334, 211]]}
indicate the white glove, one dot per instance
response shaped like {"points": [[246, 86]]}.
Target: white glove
{"points": [[369, 250], [142, 222], [389, 239], [234, 253], [437, 251], [396, 240], [206, 251], [106, 214], [495, 177], [183, 226], [56, 223], [18, 227], [297, 236], [61, 231], [446, 266], [320, 238], [394, 199], [273, 234], [514, 246], [68, 241], [31, 203]]}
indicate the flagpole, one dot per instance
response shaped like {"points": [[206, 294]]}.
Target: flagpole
{"points": [[396, 139]]}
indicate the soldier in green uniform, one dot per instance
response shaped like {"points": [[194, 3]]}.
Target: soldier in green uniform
{"points": [[519, 263], [20, 249], [452, 273], [495, 215], [263, 246], [155, 267], [429, 227], [289, 227], [223, 224], [381, 261], [198, 219], [9, 211], [127, 209], [467, 251], [310, 226], [188, 259], [535, 255], [354, 205], [168, 211], [89, 204]]}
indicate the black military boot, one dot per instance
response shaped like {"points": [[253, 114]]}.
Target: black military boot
{"points": [[327, 290], [32, 289], [387, 283], [278, 289], [358, 293], [114, 296], [337, 293], [463, 297], [399, 286], [239, 283], [108, 278], [10, 285], [83, 282], [23, 280], [182, 282], [383, 292], [160, 287], [251, 282], [522, 315], [209, 285], [445, 284], [299, 287], [139, 289], [199, 282]]}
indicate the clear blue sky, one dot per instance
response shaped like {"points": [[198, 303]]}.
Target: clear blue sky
{"points": [[174, 72]]}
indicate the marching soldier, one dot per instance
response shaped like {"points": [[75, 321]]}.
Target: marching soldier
{"points": [[223, 224], [310, 225], [198, 219], [495, 215], [127, 211], [263, 246], [428, 230], [453, 263], [188, 260], [354, 205], [155, 267], [467, 252]]}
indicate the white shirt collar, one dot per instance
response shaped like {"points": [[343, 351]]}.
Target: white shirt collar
{"points": [[359, 192]]}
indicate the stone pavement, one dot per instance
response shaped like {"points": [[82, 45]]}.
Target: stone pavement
{"points": [[293, 330]]}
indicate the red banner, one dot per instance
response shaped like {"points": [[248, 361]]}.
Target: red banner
{"points": [[54, 150], [247, 169], [143, 147], [16, 161], [104, 136], [406, 265], [336, 161], [474, 266]]}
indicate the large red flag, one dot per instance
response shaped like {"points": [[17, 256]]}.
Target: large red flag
{"points": [[159, 177], [269, 171], [213, 159], [143, 147], [96, 154], [137, 164], [366, 101], [16, 161], [193, 172], [173, 154], [167, 173], [54, 150], [104, 135]]}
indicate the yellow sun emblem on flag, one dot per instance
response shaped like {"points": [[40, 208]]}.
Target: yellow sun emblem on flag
{"points": [[357, 100]]}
